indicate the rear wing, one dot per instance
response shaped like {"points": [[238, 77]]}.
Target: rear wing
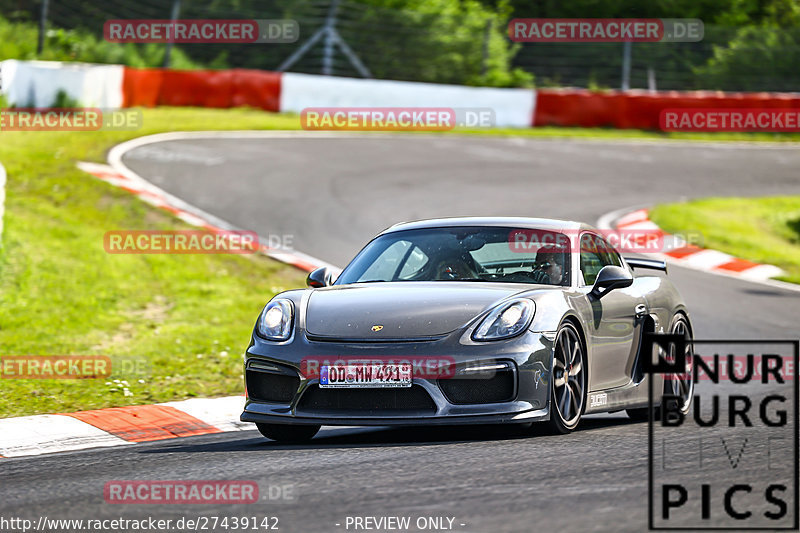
{"points": [[653, 264]]}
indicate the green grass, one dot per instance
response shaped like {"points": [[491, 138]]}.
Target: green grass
{"points": [[764, 230], [187, 316]]}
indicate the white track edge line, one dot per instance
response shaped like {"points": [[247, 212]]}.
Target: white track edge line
{"points": [[282, 134]]}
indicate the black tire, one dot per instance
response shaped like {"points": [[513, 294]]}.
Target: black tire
{"points": [[674, 384], [287, 433], [682, 385], [567, 396]]}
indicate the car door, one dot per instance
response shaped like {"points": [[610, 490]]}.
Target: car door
{"points": [[616, 324]]}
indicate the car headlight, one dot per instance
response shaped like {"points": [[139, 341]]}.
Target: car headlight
{"points": [[506, 320], [275, 322]]}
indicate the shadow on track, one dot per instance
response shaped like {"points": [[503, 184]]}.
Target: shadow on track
{"points": [[372, 437], [778, 293]]}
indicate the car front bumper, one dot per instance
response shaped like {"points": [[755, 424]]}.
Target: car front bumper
{"points": [[528, 357]]}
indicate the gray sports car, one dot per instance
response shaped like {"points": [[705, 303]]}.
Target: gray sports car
{"points": [[465, 321]]}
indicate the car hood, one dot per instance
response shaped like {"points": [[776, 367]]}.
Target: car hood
{"points": [[405, 310]]}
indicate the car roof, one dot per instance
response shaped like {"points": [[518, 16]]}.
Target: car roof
{"points": [[514, 222]]}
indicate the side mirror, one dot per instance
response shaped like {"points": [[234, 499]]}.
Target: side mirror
{"points": [[321, 277], [609, 278]]}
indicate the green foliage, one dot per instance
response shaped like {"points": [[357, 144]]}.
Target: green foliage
{"points": [[64, 101], [437, 41], [748, 45], [444, 41], [762, 56], [762, 53], [757, 59], [441, 41], [18, 40]]}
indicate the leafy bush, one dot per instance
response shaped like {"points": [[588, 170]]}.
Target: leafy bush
{"points": [[757, 59], [439, 41], [64, 101], [18, 40]]}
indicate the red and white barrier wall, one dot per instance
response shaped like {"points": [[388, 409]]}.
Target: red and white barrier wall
{"points": [[639, 109], [112, 86], [512, 107], [201, 88]]}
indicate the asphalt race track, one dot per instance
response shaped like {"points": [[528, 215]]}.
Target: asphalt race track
{"points": [[332, 195]]}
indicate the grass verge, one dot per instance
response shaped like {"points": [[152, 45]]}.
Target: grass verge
{"points": [[764, 230], [185, 319]]}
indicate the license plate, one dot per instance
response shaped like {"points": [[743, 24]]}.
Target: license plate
{"points": [[365, 375]]}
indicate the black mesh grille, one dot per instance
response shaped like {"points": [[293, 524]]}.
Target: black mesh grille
{"points": [[266, 387], [460, 390], [409, 399]]}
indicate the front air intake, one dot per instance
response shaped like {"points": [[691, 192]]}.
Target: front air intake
{"points": [[485, 383], [267, 382], [412, 400]]}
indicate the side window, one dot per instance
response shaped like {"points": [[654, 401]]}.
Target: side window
{"points": [[415, 261], [609, 254], [595, 254]]}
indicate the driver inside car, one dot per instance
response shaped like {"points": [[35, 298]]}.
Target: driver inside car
{"points": [[454, 268], [452, 262], [549, 266]]}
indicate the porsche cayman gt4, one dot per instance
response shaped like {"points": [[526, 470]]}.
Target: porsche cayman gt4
{"points": [[465, 321]]}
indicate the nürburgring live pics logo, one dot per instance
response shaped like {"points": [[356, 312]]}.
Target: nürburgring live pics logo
{"points": [[731, 461]]}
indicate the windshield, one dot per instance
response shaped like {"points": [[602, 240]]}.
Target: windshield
{"points": [[459, 254]]}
